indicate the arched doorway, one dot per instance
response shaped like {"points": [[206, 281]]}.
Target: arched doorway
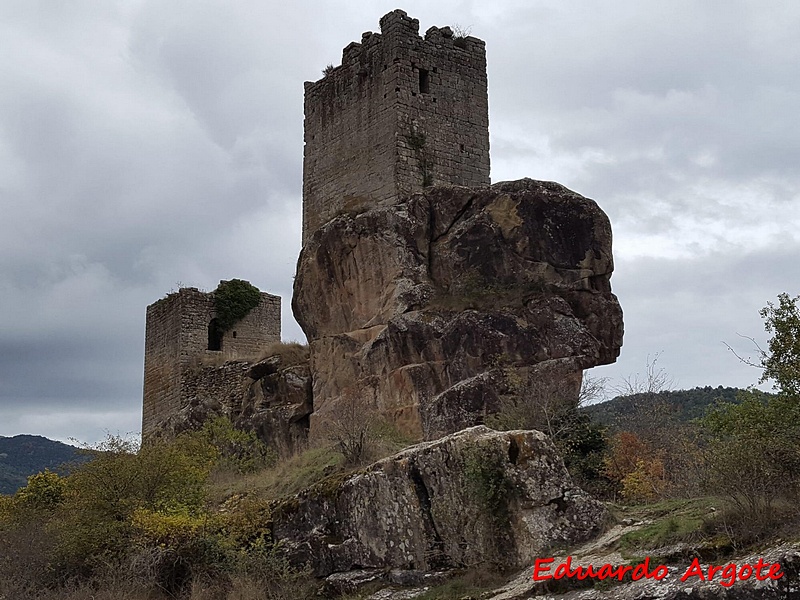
{"points": [[214, 335]]}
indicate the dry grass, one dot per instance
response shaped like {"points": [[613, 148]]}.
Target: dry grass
{"points": [[262, 576], [291, 353], [286, 477], [239, 587], [294, 473]]}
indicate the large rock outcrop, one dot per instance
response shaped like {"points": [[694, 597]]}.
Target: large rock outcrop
{"points": [[419, 307], [475, 497], [270, 397]]}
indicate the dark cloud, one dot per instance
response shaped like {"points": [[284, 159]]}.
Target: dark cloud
{"points": [[689, 310], [146, 145]]}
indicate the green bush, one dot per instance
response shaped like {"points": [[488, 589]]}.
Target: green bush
{"points": [[484, 473], [95, 526], [45, 490], [233, 300], [135, 522], [753, 454], [234, 449]]}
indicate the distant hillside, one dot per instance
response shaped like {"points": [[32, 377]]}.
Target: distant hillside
{"points": [[635, 411], [23, 455]]}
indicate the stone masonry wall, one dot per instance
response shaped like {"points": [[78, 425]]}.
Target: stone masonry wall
{"points": [[161, 362], [221, 387], [399, 114], [176, 342]]}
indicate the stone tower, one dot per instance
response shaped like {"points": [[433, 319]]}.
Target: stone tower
{"points": [[400, 113], [180, 331]]}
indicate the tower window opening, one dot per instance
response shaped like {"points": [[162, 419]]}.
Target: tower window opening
{"points": [[424, 82], [214, 336]]}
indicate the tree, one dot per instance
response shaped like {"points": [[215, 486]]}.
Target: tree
{"points": [[635, 467], [550, 401], [753, 454], [352, 428], [754, 457], [45, 490], [654, 380], [782, 362]]}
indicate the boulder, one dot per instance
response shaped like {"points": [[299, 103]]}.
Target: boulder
{"points": [[413, 305], [277, 404], [475, 497], [271, 398]]}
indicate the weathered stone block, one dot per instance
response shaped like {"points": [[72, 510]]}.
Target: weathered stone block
{"points": [[409, 300], [475, 497]]}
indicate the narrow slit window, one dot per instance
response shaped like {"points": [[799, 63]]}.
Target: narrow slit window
{"points": [[424, 82]]}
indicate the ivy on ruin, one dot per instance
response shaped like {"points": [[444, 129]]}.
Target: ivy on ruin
{"points": [[233, 300]]}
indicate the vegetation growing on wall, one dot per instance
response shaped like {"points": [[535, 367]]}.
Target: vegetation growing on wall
{"points": [[484, 474], [460, 35], [416, 141], [233, 300]]}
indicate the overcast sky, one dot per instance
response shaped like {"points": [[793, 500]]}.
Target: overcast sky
{"points": [[148, 145]]}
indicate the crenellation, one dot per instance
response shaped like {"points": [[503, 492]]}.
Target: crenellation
{"points": [[399, 114]]}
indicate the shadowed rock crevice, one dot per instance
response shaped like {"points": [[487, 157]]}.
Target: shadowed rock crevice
{"points": [[435, 234], [435, 551]]}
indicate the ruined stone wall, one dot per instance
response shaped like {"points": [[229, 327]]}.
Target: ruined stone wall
{"points": [[399, 114], [222, 386], [177, 341], [349, 131], [260, 327], [161, 362]]}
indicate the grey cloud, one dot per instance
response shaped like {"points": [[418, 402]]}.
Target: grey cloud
{"points": [[688, 309], [146, 144]]}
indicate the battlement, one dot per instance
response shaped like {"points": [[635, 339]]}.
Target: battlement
{"points": [[400, 113], [181, 330]]}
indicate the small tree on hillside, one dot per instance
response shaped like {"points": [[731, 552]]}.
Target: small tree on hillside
{"points": [[782, 363], [352, 428], [754, 456]]}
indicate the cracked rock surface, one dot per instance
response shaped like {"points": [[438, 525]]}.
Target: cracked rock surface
{"points": [[412, 305], [477, 496], [267, 397]]}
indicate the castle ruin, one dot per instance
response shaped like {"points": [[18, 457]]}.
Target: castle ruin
{"points": [[400, 113], [181, 330]]}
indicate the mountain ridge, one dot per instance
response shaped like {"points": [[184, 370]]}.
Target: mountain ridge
{"points": [[25, 454]]}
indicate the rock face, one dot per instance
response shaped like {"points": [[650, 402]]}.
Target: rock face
{"points": [[475, 497], [269, 397], [412, 306]]}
